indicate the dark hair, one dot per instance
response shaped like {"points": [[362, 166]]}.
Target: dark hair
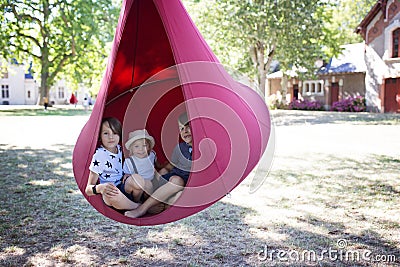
{"points": [[114, 124]]}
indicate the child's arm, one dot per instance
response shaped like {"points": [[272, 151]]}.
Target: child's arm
{"points": [[107, 188], [92, 181], [126, 170]]}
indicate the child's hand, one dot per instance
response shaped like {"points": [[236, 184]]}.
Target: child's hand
{"points": [[109, 189]]}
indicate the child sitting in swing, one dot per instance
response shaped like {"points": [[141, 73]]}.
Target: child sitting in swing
{"points": [[106, 168], [140, 174], [178, 174]]}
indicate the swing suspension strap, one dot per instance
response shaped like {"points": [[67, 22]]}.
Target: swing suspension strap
{"points": [[133, 166]]}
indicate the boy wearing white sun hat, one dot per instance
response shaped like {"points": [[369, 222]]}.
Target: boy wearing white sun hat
{"points": [[139, 167]]}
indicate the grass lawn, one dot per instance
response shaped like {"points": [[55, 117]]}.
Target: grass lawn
{"points": [[36, 110], [333, 190]]}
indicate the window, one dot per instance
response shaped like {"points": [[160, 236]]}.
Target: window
{"points": [[61, 93], [4, 91], [396, 43], [313, 88]]}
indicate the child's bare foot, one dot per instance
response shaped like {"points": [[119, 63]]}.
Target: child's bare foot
{"points": [[136, 213]]}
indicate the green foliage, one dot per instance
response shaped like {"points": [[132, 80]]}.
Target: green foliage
{"points": [[63, 38], [248, 35], [346, 17]]}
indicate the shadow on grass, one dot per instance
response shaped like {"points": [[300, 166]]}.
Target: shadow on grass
{"points": [[337, 248], [340, 198], [45, 221]]}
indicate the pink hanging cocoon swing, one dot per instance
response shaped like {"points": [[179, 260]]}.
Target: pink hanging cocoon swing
{"points": [[159, 67]]}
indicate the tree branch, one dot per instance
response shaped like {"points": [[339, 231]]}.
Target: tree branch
{"points": [[20, 34], [24, 15], [26, 51], [59, 67]]}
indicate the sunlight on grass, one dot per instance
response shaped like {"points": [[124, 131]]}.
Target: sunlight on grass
{"points": [[14, 250], [154, 253], [182, 235], [75, 254], [42, 182], [326, 184], [22, 165]]}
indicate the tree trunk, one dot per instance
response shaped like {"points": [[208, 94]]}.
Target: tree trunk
{"points": [[44, 74], [44, 90], [263, 81], [262, 63], [257, 56], [284, 84]]}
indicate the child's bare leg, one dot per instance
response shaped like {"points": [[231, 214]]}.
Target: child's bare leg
{"points": [[120, 201], [160, 195], [158, 208], [134, 185], [173, 199], [148, 187]]}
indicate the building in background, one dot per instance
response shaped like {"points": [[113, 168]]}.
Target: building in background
{"points": [[343, 76], [381, 31], [18, 87], [60, 93]]}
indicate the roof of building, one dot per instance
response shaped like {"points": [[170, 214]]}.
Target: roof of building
{"points": [[351, 60], [362, 27], [29, 74]]}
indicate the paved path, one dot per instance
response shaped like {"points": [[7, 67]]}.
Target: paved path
{"points": [[40, 131], [291, 138]]}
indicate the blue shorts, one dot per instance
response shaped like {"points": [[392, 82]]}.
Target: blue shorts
{"points": [[168, 176], [121, 188]]}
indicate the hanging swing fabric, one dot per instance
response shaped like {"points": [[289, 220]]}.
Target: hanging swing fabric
{"points": [[159, 67]]}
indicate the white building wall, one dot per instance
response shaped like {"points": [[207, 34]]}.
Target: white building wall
{"points": [[377, 69], [380, 64], [60, 93], [31, 92], [22, 91], [16, 86]]}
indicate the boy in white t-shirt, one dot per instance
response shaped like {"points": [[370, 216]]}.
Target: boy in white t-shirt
{"points": [[139, 167]]}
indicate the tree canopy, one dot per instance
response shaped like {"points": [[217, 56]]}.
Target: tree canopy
{"points": [[248, 35], [71, 38], [347, 16], [63, 38], [258, 31]]}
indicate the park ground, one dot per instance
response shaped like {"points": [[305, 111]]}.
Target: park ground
{"points": [[332, 198]]}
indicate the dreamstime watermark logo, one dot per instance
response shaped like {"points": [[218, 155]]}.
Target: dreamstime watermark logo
{"points": [[340, 253], [231, 126]]}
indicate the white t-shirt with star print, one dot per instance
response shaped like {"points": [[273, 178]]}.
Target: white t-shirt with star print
{"points": [[107, 165]]}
